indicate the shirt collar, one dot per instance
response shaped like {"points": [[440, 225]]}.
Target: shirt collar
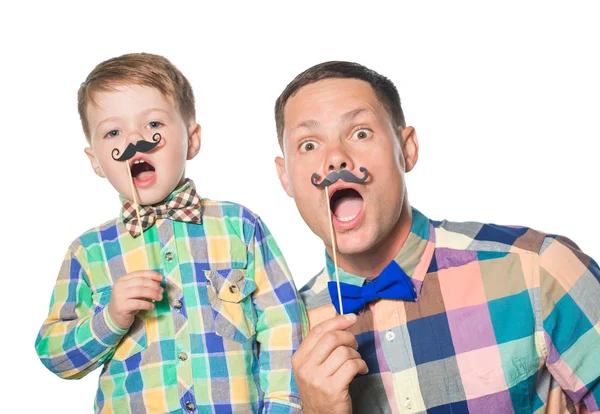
{"points": [[414, 257]]}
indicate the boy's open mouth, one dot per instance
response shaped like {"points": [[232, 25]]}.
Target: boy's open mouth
{"points": [[345, 204], [141, 170]]}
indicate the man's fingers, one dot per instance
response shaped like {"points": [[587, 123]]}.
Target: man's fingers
{"points": [[348, 370], [337, 358], [338, 323], [328, 343]]}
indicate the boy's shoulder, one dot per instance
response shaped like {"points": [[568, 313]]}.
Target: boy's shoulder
{"points": [[109, 230], [228, 210]]}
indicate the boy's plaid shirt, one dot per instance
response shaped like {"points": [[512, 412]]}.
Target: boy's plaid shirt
{"points": [[507, 320], [222, 338]]}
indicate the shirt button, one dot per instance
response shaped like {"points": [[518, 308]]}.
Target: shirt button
{"points": [[389, 335], [177, 304], [408, 403], [169, 256], [190, 406], [183, 356]]}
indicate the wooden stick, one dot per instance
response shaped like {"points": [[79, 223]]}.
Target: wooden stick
{"points": [[334, 248], [137, 213]]}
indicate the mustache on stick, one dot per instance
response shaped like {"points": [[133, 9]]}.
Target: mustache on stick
{"points": [[140, 146], [344, 175]]}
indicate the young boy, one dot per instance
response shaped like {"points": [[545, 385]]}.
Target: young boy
{"points": [[205, 316]]}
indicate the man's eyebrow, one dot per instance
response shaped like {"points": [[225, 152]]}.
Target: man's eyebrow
{"points": [[309, 124], [350, 115]]}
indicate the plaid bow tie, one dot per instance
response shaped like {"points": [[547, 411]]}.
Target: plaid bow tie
{"points": [[184, 206]]}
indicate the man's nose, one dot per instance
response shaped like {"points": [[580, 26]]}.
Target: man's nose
{"points": [[338, 159]]}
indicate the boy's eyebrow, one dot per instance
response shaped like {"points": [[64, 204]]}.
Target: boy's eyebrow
{"points": [[147, 111], [112, 118], [144, 112]]}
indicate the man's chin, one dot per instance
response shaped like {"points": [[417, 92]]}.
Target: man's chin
{"points": [[353, 244]]}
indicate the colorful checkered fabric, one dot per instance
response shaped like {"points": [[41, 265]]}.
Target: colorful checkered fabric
{"points": [[220, 341], [507, 320], [181, 206]]}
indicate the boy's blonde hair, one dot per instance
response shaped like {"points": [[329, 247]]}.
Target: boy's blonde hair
{"points": [[143, 69]]}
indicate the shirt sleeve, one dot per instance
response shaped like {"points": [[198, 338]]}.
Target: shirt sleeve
{"points": [[78, 334], [281, 322], [570, 305]]}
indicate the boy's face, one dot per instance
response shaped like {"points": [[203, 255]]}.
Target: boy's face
{"points": [[126, 115]]}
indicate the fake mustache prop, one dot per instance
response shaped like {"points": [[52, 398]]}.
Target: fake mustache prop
{"points": [[343, 175], [140, 146]]}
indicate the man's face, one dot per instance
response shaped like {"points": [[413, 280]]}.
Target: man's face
{"points": [[131, 113], [338, 124]]}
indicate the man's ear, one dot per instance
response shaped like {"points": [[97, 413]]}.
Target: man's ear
{"points": [[193, 141], [283, 177], [410, 147], [95, 166]]}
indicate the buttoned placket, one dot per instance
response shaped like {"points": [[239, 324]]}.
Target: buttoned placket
{"points": [[405, 393], [170, 263]]}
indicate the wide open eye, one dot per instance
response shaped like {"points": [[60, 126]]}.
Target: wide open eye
{"points": [[362, 134], [307, 146]]}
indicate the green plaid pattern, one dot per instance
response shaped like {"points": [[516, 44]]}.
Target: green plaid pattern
{"points": [[222, 338]]}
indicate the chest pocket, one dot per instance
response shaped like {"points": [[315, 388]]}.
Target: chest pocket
{"points": [[134, 341], [231, 301]]}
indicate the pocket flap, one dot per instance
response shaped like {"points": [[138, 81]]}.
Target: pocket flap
{"points": [[230, 285]]}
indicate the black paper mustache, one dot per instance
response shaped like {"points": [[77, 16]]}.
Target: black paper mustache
{"points": [[140, 146], [343, 175]]}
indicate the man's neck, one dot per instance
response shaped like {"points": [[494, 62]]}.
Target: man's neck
{"points": [[372, 262]]}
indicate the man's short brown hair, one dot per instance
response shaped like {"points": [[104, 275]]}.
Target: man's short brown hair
{"points": [[384, 89], [143, 69]]}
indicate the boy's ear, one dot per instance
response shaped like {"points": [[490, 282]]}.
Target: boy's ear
{"points": [[283, 178], [193, 141], [95, 166]]}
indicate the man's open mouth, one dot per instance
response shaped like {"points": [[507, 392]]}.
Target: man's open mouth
{"points": [[346, 204], [141, 170]]}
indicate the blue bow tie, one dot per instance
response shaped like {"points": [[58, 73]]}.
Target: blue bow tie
{"points": [[392, 283]]}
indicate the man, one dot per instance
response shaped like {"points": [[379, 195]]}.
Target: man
{"points": [[450, 317]]}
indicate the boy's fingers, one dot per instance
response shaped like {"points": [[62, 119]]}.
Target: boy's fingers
{"points": [[147, 274], [141, 292], [338, 323], [137, 304], [142, 282]]}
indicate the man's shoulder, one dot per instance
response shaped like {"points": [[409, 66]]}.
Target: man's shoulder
{"points": [[314, 293], [487, 237]]}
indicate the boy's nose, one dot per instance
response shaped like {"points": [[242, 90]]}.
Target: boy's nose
{"points": [[134, 136]]}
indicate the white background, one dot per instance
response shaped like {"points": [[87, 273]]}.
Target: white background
{"points": [[505, 98]]}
